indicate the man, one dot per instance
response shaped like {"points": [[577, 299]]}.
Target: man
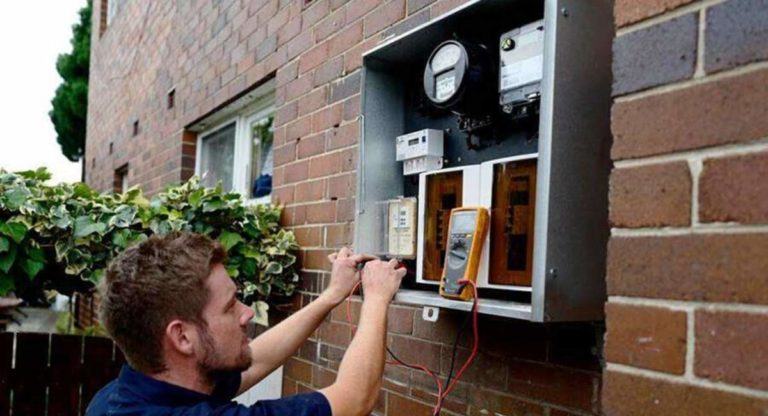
{"points": [[170, 306]]}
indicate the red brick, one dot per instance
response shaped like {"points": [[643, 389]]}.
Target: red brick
{"points": [[630, 395], [399, 405], [316, 259], [444, 6], [488, 402], [359, 8], [631, 11], [286, 113], [556, 385], [352, 107], [310, 191], [338, 235], [345, 210], [344, 136], [323, 212], [329, 71], [651, 196], [706, 267], [327, 117], [384, 16], [325, 165], [285, 154], [732, 347], [646, 337], [312, 58], [335, 333], [309, 236], [330, 25], [342, 186], [322, 377], [298, 370], [345, 39], [735, 189], [295, 215], [400, 320], [313, 101], [282, 195], [412, 350], [298, 87], [312, 14], [298, 128], [296, 172], [728, 110], [353, 58], [310, 146]]}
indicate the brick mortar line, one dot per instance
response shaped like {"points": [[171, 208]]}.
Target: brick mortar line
{"points": [[332, 176], [712, 152], [699, 69], [693, 381], [684, 305], [701, 229], [690, 352], [680, 11], [695, 166], [692, 82]]}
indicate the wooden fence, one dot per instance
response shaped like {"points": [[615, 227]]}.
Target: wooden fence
{"points": [[53, 374]]}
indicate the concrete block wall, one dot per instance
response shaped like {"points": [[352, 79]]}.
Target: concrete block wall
{"points": [[687, 316]]}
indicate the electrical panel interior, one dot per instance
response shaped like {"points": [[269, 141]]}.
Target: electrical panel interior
{"points": [[471, 112]]}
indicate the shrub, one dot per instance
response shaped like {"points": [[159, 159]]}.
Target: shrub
{"points": [[61, 237]]}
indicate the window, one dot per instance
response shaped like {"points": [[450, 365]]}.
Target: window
{"points": [[237, 151], [120, 183]]}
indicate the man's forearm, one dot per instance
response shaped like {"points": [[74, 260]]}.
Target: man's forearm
{"points": [[272, 348], [361, 369]]}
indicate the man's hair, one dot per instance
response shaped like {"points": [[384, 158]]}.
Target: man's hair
{"points": [[149, 285]]}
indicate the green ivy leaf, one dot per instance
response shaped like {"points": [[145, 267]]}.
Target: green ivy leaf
{"points": [[4, 244], [15, 197], [6, 284], [35, 253], [7, 259], [32, 267], [229, 239], [274, 268], [214, 205], [196, 197], [62, 247], [84, 226], [15, 230], [261, 315]]}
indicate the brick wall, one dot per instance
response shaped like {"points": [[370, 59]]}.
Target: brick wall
{"points": [[687, 316], [211, 52]]}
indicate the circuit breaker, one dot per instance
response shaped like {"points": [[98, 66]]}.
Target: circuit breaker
{"points": [[500, 106]]}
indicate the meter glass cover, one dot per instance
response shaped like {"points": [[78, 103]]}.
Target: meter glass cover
{"points": [[463, 223], [446, 57], [445, 85]]}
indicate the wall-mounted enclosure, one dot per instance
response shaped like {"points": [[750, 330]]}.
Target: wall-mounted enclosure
{"points": [[531, 145]]}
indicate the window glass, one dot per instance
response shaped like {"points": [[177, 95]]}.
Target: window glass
{"points": [[217, 157], [261, 132]]}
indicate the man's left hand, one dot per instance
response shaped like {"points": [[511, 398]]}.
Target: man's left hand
{"points": [[344, 273]]}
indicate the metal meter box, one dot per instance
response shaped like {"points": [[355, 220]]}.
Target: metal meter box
{"points": [[541, 172]]}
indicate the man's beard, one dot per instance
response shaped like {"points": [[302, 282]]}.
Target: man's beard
{"points": [[213, 363]]}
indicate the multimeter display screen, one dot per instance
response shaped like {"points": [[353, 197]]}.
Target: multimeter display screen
{"points": [[463, 223]]}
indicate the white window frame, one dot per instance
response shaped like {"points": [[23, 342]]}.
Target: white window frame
{"points": [[261, 108]]}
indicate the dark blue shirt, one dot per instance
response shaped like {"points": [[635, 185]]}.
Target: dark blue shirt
{"points": [[135, 394]]}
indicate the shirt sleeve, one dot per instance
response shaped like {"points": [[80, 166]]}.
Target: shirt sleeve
{"points": [[308, 404]]}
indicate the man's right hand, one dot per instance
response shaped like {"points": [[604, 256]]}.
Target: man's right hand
{"points": [[381, 279]]}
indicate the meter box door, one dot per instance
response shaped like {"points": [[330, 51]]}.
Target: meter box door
{"points": [[508, 189], [521, 92], [440, 192]]}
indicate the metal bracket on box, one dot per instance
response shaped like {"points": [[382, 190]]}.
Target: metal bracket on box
{"points": [[430, 313]]}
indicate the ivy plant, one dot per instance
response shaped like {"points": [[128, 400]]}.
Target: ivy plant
{"points": [[61, 237]]}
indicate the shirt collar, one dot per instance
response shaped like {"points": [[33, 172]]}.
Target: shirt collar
{"points": [[157, 391]]}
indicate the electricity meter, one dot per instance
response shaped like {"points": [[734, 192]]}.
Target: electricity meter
{"points": [[420, 151], [521, 61], [457, 77]]}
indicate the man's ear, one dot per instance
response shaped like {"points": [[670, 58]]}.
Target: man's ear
{"points": [[181, 336]]}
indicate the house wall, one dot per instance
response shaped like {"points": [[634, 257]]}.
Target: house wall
{"points": [[687, 318], [686, 274]]}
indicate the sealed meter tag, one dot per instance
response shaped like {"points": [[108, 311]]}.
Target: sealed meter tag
{"points": [[521, 60], [401, 228]]}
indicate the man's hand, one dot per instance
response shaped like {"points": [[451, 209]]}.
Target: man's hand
{"points": [[344, 274], [382, 279]]}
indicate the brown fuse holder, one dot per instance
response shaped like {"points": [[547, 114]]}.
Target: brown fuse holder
{"points": [[512, 221], [444, 193]]}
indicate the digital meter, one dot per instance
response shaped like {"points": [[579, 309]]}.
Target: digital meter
{"points": [[458, 77], [466, 235]]}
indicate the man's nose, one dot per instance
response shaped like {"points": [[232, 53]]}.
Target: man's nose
{"points": [[246, 316]]}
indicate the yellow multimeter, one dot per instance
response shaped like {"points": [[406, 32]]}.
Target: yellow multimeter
{"points": [[466, 235]]}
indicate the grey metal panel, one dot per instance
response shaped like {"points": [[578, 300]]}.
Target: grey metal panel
{"points": [[485, 306], [578, 155], [379, 175]]}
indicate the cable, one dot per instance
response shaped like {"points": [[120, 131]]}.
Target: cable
{"points": [[450, 383]]}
